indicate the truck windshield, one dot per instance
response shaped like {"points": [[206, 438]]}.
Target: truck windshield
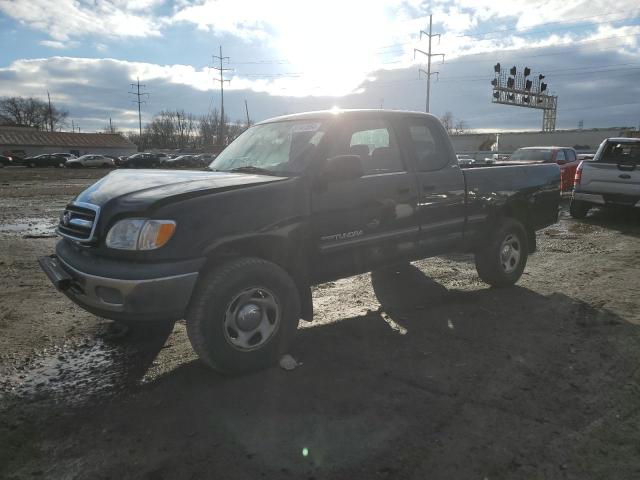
{"points": [[531, 154], [279, 148], [622, 152]]}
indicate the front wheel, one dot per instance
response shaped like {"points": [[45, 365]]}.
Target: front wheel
{"points": [[502, 262], [578, 209], [243, 315]]}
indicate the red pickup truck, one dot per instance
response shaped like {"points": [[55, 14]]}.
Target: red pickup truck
{"points": [[565, 157]]}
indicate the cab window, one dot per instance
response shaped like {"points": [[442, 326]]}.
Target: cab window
{"points": [[426, 146], [374, 142]]}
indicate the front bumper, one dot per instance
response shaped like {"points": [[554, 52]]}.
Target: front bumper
{"points": [[123, 291], [608, 199]]}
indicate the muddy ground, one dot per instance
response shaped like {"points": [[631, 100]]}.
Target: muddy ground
{"points": [[418, 373]]}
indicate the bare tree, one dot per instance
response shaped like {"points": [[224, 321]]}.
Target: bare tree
{"points": [[111, 128], [178, 129], [208, 126], [460, 127], [31, 112], [447, 122]]}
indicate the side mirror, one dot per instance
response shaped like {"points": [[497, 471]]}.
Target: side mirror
{"points": [[343, 167]]}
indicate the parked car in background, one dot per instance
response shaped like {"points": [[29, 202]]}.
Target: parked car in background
{"points": [[207, 158], [5, 161], [612, 178], [183, 161], [90, 161], [65, 155], [44, 160], [565, 157], [144, 160]]}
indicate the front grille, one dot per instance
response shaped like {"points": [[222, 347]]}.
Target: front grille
{"points": [[78, 221]]}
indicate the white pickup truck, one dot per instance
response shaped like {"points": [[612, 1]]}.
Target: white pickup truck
{"points": [[612, 178]]}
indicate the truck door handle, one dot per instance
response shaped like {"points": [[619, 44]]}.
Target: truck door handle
{"points": [[626, 176]]}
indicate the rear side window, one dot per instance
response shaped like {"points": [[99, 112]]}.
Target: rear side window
{"points": [[621, 153], [571, 155], [425, 146], [560, 156], [372, 139]]}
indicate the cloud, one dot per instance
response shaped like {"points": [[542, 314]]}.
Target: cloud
{"points": [[52, 44], [65, 19], [597, 87]]}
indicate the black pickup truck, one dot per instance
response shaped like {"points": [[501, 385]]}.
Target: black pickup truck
{"points": [[294, 201]]}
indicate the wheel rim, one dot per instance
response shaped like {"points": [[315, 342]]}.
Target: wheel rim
{"points": [[510, 253], [251, 318]]}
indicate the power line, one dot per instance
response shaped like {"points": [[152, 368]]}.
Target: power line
{"points": [[138, 95], [221, 80], [429, 54]]}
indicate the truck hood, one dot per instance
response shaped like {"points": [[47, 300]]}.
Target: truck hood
{"points": [[140, 188]]}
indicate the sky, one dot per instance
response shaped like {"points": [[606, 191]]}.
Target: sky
{"points": [[288, 56]]}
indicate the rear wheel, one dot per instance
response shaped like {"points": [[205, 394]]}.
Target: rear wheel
{"points": [[579, 209], [243, 315], [502, 262]]}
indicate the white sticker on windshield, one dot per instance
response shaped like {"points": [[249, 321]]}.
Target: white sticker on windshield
{"points": [[305, 127]]}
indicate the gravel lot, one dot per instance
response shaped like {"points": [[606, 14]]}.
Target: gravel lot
{"points": [[411, 373]]}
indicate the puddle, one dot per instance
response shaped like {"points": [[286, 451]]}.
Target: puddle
{"points": [[70, 373], [30, 227], [85, 370]]}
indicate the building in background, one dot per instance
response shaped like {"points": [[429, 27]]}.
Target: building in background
{"points": [[26, 142], [586, 141]]}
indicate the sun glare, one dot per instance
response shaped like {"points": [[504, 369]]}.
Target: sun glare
{"points": [[334, 46]]}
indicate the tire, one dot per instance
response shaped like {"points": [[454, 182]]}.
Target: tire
{"points": [[214, 321], [579, 209], [500, 270]]}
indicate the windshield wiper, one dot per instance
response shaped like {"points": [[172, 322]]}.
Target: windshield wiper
{"points": [[258, 170]]}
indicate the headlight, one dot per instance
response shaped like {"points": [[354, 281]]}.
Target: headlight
{"points": [[140, 234]]}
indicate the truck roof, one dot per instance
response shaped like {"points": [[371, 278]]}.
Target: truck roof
{"points": [[545, 147], [324, 114], [623, 139]]}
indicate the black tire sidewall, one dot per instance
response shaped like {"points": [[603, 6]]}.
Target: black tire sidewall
{"points": [[205, 318], [488, 262], [578, 209]]}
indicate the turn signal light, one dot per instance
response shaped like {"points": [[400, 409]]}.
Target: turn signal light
{"points": [[578, 178]]}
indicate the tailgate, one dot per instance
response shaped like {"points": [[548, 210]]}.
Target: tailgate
{"points": [[600, 177]]}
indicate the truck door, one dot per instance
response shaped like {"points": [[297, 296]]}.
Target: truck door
{"points": [[369, 221], [441, 205]]}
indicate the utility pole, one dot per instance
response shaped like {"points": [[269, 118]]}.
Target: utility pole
{"points": [[246, 107], [428, 53], [73, 127], [110, 126], [50, 113], [221, 80], [138, 101]]}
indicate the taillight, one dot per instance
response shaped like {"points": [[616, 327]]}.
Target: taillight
{"points": [[578, 177]]}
